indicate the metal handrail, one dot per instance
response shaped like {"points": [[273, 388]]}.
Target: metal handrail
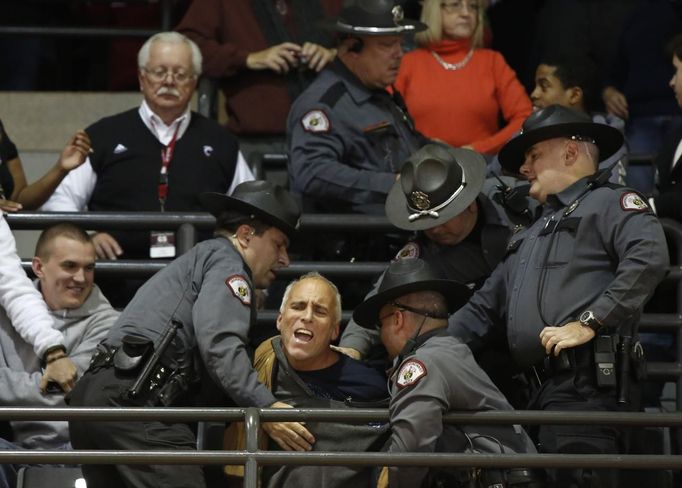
{"points": [[202, 221], [355, 415], [253, 457], [328, 458], [148, 267]]}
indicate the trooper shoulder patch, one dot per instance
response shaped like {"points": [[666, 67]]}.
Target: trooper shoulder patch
{"points": [[633, 201], [316, 121], [409, 251], [240, 288], [410, 373]]}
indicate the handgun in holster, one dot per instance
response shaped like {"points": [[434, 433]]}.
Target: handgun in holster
{"points": [[153, 374]]}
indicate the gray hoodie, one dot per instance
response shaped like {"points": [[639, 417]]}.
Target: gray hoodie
{"points": [[83, 328]]}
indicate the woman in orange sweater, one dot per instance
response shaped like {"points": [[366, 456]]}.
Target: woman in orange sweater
{"points": [[454, 89]]}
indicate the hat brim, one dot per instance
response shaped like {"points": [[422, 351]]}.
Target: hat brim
{"points": [[397, 211], [217, 203], [608, 139], [402, 27], [367, 313]]}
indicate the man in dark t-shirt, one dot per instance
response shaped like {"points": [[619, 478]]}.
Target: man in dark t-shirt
{"points": [[300, 366]]}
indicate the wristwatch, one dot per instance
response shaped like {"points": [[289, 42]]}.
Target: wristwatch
{"points": [[588, 319]]}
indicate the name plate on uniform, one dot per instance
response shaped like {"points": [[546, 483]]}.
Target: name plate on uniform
{"points": [[161, 244]]}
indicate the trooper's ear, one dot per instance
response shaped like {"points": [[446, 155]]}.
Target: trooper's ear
{"points": [[243, 234], [571, 152], [357, 46]]}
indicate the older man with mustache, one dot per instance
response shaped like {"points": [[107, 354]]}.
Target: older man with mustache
{"points": [[157, 157]]}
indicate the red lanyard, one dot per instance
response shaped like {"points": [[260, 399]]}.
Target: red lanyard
{"points": [[166, 158]]}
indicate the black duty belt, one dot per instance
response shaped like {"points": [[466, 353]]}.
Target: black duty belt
{"points": [[105, 358]]}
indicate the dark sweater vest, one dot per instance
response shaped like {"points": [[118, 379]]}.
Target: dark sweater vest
{"points": [[127, 161]]}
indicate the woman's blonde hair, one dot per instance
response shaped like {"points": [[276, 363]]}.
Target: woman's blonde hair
{"points": [[432, 16]]}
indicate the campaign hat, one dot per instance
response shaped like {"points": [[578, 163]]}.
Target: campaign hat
{"points": [[436, 183], [405, 276], [372, 18], [257, 199], [559, 121]]}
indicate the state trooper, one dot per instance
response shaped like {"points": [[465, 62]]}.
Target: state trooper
{"points": [[570, 291], [182, 340], [433, 374], [347, 135], [463, 223]]}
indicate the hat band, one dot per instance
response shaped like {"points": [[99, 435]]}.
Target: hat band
{"points": [[433, 212], [583, 139], [376, 30]]}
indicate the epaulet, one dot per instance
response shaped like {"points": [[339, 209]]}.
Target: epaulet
{"points": [[333, 94]]}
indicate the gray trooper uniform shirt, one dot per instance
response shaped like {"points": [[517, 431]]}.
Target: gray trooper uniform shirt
{"points": [[441, 376], [469, 262], [607, 254], [347, 143], [209, 291]]}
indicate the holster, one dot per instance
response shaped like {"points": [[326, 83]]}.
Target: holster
{"points": [[164, 387], [130, 356]]}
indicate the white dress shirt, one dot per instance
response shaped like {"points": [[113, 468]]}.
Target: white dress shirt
{"points": [[75, 190]]}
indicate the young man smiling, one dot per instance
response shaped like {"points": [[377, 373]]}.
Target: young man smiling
{"points": [[64, 264]]}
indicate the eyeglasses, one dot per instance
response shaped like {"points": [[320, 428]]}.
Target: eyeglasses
{"points": [[159, 75], [458, 6], [406, 308], [381, 320]]}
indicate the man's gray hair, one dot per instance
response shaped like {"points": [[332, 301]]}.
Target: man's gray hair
{"points": [[592, 152], [170, 38], [317, 276]]}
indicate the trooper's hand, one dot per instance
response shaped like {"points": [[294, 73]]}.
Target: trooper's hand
{"points": [[280, 58], [61, 371], [556, 339], [290, 436], [106, 246]]}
